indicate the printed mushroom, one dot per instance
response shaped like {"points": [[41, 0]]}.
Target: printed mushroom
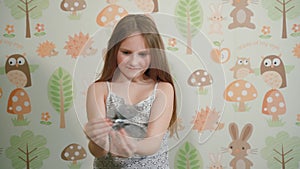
{"points": [[274, 104], [110, 15], [200, 78], [19, 103], [73, 152], [73, 6], [240, 91]]}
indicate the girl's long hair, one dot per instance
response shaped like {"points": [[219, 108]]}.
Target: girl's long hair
{"points": [[158, 69]]}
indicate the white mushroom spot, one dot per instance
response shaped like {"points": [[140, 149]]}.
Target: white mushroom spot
{"points": [[110, 9], [66, 154], [103, 19], [76, 4], [203, 79], [83, 6], [84, 155], [247, 85], [238, 98], [26, 103], [72, 158], [273, 109], [10, 108], [236, 84], [254, 95], [265, 109], [193, 80], [244, 92], [117, 17], [269, 99], [230, 93], [76, 153], [120, 10], [71, 147], [15, 98], [197, 73], [66, 5], [72, 9], [210, 81], [281, 104], [198, 84], [19, 108], [277, 94], [79, 147], [22, 93], [205, 73]]}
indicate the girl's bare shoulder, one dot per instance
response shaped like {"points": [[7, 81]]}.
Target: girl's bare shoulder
{"points": [[99, 88], [165, 87]]}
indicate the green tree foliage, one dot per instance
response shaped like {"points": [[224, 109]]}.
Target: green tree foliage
{"points": [[188, 157], [60, 93], [282, 151], [27, 151], [189, 19], [285, 9], [28, 9]]}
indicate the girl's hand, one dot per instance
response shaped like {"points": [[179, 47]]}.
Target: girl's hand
{"points": [[98, 132], [121, 144]]}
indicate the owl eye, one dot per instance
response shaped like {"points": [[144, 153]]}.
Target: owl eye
{"points": [[276, 62], [21, 61], [240, 62], [12, 61], [246, 62], [267, 62]]}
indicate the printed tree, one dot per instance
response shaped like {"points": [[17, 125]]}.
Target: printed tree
{"points": [[27, 8], [285, 9], [189, 19], [60, 93], [27, 151], [282, 151], [188, 157]]}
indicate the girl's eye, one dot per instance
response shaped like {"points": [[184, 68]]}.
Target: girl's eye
{"points": [[126, 52], [143, 54]]}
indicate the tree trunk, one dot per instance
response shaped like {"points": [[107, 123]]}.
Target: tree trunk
{"points": [[282, 157], [155, 6], [189, 36], [62, 108], [284, 33], [28, 35], [242, 107], [27, 158]]}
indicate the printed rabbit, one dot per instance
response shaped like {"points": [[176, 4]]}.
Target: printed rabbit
{"points": [[216, 19], [241, 15], [216, 161], [239, 147]]}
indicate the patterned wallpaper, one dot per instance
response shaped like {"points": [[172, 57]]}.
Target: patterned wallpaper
{"points": [[235, 64]]}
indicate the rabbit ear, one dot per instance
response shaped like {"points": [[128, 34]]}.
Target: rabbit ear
{"points": [[219, 157], [212, 158], [220, 6], [234, 131], [246, 132], [212, 7]]}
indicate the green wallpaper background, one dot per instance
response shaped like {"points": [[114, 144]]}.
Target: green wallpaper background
{"points": [[247, 52]]}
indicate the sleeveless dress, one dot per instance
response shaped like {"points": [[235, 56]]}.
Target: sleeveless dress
{"points": [[137, 125]]}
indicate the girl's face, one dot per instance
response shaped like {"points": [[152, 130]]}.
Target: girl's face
{"points": [[133, 57]]}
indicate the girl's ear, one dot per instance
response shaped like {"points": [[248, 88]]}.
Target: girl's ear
{"points": [[246, 132], [234, 131]]}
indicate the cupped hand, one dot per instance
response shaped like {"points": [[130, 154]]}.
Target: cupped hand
{"points": [[98, 131]]}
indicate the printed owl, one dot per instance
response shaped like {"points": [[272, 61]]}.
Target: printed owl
{"points": [[273, 72], [17, 70], [242, 68]]}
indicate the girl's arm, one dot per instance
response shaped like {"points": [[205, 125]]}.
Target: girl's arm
{"points": [[97, 127], [161, 113]]}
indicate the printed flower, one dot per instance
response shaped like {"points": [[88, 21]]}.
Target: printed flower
{"points": [[45, 116], [266, 30], [296, 28], [40, 27], [10, 29], [172, 42]]}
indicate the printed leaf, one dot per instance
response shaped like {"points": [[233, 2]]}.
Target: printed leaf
{"points": [[188, 157]]}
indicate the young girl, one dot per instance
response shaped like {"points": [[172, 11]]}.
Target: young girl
{"points": [[131, 108]]}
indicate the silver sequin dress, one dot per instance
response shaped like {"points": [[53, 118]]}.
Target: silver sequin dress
{"points": [[159, 160]]}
